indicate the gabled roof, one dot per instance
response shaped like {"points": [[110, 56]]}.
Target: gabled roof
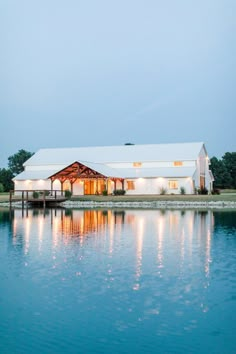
{"points": [[170, 172], [33, 175], [111, 154], [106, 171]]}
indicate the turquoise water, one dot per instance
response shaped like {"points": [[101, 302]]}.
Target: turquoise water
{"points": [[124, 281]]}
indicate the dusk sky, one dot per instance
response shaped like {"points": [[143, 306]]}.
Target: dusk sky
{"points": [[90, 73]]}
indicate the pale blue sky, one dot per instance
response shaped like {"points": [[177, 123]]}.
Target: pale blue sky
{"points": [[85, 73]]}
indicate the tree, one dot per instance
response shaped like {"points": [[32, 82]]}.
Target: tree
{"points": [[221, 174], [229, 160], [6, 179], [15, 162]]}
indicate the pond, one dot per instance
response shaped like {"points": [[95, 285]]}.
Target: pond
{"points": [[117, 281]]}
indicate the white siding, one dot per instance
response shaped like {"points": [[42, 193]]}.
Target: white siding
{"points": [[151, 164], [78, 188], [154, 185], [33, 184]]}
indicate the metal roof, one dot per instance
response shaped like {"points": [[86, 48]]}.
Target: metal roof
{"points": [[122, 153], [33, 175], [171, 172], [142, 172]]}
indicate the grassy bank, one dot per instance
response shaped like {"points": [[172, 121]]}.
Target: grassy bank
{"points": [[227, 197], [4, 197]]}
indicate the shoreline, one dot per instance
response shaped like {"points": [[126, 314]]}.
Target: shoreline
{"points": [[138, 204], [151, 204]]}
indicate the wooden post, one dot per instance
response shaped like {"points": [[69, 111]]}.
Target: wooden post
{"points": [[22, 194], [61, 188], [71, 187], [10, 197], [44, 201], [107, 185]]}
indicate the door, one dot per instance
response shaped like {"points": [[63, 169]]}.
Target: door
{"points": [[89, 187]]}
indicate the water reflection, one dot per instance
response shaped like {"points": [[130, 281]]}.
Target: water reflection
{"points": [[159, 276], [173, 235]]}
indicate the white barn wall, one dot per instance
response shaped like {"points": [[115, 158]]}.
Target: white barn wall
{"points": [[78, 188], [150, 164], [56, 185], [32, 184], [154, 185], [202, 164], [209, 182]]}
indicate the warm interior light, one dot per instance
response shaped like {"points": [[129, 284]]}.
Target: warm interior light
{"points": [[173, 184], [178, 163], [137, 164]]}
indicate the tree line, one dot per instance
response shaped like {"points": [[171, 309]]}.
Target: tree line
{"points": [[224, 170], [15, 166]]}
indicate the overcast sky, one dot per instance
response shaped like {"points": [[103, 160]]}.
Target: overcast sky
{"points": [[104, 72]]}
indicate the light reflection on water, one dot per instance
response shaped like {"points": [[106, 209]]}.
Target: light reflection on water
{"points": [[117, 281]]}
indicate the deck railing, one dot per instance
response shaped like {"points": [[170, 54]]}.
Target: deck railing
{"points": [[40, 195]]}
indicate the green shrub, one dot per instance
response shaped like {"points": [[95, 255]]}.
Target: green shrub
{"points": [[35, 195], [203, 191], [119, 192], [1, 188], [68, 194], [104, 192], [163, 191], [182, 190], [215, 191]]}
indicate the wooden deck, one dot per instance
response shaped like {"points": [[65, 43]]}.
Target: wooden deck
{"points": [[37, 197], [46, 201]]}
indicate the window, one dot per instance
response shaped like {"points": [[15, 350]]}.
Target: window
{"points": [[130, 185], [173, 184], [178, 163], [137, 164]]}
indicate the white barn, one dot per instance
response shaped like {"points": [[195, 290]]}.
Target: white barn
{"points": [[138, 169]]}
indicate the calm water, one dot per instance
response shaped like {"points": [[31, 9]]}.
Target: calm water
{"points": [[125, 281]]}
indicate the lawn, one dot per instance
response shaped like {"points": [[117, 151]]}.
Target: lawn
{"points": [[229, 196], [4, 197]]}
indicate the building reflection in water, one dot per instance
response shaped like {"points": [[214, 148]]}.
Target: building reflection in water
{"points": [[166, 237]]}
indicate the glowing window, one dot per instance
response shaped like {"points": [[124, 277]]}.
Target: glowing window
{"points": [[178, 163], [137, 164], [173, 184], [130, 185]]}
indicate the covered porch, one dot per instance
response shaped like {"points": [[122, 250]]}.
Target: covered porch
{"points": [[83, 180]]}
